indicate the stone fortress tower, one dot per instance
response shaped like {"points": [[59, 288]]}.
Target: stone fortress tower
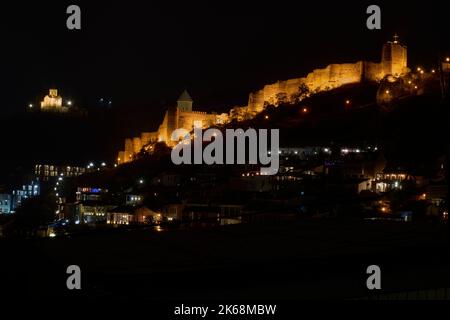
{"points": [[394, 58], [184, 102]]}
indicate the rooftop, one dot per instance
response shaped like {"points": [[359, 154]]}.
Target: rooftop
{"points": [[185, 96]]}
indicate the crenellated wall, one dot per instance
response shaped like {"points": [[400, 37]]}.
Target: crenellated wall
{"points": [[330, 77], [174, 118], [393, 62]]}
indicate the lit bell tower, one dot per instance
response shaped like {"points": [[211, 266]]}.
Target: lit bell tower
{"points": [[184, 102]]}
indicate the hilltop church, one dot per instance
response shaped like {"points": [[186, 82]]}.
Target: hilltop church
{"points": [[53, 102], [176, 117]]}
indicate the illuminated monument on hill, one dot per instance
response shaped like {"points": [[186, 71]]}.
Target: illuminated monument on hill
{"points": [[53, 103], [176, 117], [393, 63]]}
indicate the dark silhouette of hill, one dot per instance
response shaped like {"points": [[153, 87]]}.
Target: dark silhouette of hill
{"points": [[51, 138], [410, 128]]}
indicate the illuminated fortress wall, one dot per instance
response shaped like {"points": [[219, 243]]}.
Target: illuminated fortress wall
{"points": [[175, 118], [393, 62], [180, 117]]}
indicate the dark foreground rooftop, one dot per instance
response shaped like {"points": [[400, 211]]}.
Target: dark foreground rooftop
{"points": [[303, 259]]}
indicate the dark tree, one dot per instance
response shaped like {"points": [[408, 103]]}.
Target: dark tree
{"points": [[161, 150], [302, 93]]}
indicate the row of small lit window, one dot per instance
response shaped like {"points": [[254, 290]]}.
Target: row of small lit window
{"points": [[100, 214], [133, 198], [30, 187], [53, 168], [55, 173], [391, 176], [88, 197], [27, 189], [25, 193], [301, 152], [287, 178], [92, 190]]}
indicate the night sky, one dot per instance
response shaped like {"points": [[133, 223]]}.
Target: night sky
{"points": [[141, 56]]}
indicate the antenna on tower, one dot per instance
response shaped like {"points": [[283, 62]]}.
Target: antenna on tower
{"points": [[395, 38]]}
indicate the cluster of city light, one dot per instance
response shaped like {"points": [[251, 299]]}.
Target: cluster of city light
{"points": [[412, 84], [57, 185], [347, 150], [68, 102], [254, 174], [102, 100], [422, 71], [91, 165], [251, 174]]}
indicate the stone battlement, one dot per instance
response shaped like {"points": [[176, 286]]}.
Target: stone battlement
{"points": [[393, 63]]}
